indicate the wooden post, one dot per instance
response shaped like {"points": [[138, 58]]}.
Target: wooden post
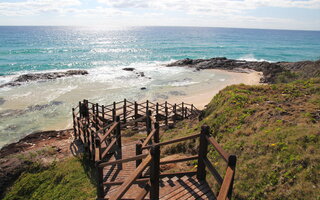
{"points": [[85, 108], [166, 111], [138, 152], [80, 109], [97, 109], [124, 111], [136, 112], [155, 173], [157, 111], [74, 124], [148, 122], [98, 147], [93, 109], [174, 113], [80, 130], [232, 163], [203, 150], [156, 136], [103, 117], [191, 109], [100, 188], [114, 111], [147, 106], [182, 110], [118, 136]]}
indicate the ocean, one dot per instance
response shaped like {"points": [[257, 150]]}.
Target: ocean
{"points": [[45, 105]]}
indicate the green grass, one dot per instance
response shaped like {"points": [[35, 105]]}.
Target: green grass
{"points": [[275, 132], [66, 179]]}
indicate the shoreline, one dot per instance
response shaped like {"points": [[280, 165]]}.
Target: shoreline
{"points": [[199, 94]]}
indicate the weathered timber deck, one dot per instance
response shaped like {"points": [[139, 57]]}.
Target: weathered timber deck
{"points": [[185, 187]]}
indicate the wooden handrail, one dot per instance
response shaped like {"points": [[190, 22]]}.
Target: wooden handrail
{"points": [[126, 185], [227, 184], [108, 148], [112, 128], [172, 141], [148, 139], [219, 149], [123, 160]]}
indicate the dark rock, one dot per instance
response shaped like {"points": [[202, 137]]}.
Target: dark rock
{"points": [[143, 88], [141, 74], [128, 69], [306, 69], [43, 76]]}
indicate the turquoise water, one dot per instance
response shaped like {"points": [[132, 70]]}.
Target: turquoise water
{"points": [[50, 48], [46, 105]]}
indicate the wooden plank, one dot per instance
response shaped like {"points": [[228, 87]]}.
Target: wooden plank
{"points": [[141, 180], [144, 192], [123, 160], [126, 185]]}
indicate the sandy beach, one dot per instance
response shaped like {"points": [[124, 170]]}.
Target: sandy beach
{"points": [[203, 94]]}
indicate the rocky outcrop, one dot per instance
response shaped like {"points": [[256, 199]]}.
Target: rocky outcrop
{"points": [[43, 76], [270, 71]]}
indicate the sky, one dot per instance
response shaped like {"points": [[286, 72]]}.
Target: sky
{"points": [[265, 14]]}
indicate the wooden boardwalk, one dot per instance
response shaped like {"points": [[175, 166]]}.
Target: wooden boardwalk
{"points": [[185, 187], [131, 170]]}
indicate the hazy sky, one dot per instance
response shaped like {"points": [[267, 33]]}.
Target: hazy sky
{"points": [[278, 14]]}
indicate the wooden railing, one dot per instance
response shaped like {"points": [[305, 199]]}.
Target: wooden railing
{"points": [[100, 133], [152, 160]]}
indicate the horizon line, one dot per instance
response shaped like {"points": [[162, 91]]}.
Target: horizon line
{"points": [[279, 29]]}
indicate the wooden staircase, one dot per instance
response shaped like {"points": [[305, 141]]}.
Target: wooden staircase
{"points": [[131, 170]]}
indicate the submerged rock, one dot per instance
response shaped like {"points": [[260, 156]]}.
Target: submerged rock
{"points": [[2, 100], [43, 76]]}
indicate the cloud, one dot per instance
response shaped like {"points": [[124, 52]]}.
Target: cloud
{"points": [[34, 7], [193, 6]]}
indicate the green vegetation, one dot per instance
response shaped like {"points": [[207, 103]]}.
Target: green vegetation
{"points": [[275, 132], [273, 129], [67, 179]]}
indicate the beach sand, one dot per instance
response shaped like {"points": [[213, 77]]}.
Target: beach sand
{"points": [[202, 94]]}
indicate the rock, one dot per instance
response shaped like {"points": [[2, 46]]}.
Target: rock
{"points": [[43, 76], [141, 74], [2, 100], [306, 69], [128, 69], [143, 88]]}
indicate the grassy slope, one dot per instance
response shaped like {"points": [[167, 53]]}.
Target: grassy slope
{"points": [[64, 180], [274, 130]]}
